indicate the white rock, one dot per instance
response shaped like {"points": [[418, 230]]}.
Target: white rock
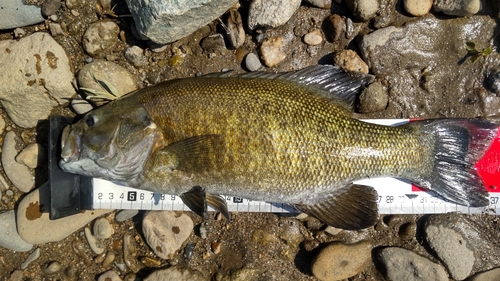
{"points": [[30, 155], [168, 21], [102, 228], [252, 62], [9, 238], [457, 7], [36, 77], [364, 10], [313, 38], [15, 13], [100, 37], [264, 14], [18, 174], [418, 7], [36, 227], [112, 73], [271, 51], [350, 61], [165, 231]]}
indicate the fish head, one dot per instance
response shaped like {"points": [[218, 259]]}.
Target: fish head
{"points": [[111, 142]]}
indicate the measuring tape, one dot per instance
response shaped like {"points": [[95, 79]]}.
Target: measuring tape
{"points": [[395, 196]]}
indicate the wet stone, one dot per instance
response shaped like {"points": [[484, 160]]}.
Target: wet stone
{"points": [[402, 264], [339, 261], [374, 98], [271, 51], [457, 7]]}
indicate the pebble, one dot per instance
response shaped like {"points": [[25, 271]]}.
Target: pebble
{"points": [[374, 98], [80, 249], [100, 38], [2, 125], [457, 7], [324, 4], [168, 21], [265, 14], [364, 10], [252, 62], [408, 231], [36, 228], [124, 215], [52, 268], [244, 274], [350, 61], [215, 247], [80, 105], [135, 55], [32, 155], [15, 13], [109, 259], [109, 275], [417, 8], [490, 275], [445, 235], [188, 251], [37, 77], [112, 73], [290, 233], [234, 29], [271, 51], [102, 228], [93, 242], [402, 264], [165, 231], [334, 27], [213, 43], [313, 38], [55, 29], [130, 254], [31, 258], [310, 245], [339, 261], [333, 230], [176, 273], [50, 7], [9, 238], [18, 174], [19, 33]]}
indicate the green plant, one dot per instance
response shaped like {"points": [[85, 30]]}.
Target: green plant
{"points": [[474, 53]]}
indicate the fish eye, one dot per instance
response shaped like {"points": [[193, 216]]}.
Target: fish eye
{"points": [[90, 121]]}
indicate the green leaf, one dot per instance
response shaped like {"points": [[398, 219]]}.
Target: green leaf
{"points": [[470, 46]]}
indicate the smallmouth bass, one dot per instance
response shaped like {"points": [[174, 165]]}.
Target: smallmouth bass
{"points": [[276, 137]]}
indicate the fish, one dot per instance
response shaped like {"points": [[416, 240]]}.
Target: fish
{"points": [[278, 137]]}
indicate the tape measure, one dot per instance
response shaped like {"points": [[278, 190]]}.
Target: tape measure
{"points": [[395, 196]]}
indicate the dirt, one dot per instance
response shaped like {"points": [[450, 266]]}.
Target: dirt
{"points": [[249, 240]]}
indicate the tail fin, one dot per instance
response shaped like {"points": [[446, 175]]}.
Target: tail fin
{"points": [[458, 144]]}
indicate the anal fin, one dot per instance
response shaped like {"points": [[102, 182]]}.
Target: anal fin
{"points": [[197, 200], [354, 209]]}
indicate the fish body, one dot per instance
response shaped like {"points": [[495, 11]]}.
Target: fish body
{"points": [[286, 138]]}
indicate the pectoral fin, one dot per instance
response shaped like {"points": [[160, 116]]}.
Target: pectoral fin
{"points": [[197, 200], [195, 154], [354, 209]]}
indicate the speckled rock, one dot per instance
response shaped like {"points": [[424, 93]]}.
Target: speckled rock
{"points": [[35, 227], [373, 99], [175, 273], [110, 72], [402, 264], [417, 7], [36, 77], [9, 238], [18, 174], [100, 38], [235, 31], [364, 10], [264, 14], [271, 51], [339, 261], [15, 13], [168, 21], [165, 231], [350, 61], [457, 7], [135, 55]]}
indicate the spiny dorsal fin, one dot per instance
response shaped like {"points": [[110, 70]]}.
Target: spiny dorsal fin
{"points": [[354, 209], [330, 81]]}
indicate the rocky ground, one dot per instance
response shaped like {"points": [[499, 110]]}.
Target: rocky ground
{"points": [[417, 50]]}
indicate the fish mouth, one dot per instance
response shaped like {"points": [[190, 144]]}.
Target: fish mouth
{"points": [[70, 146]]}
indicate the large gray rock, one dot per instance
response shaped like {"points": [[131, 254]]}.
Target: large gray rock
{"points": [[14, 13], [35, 77], [168, 21], [424, 57], [9, 238]]}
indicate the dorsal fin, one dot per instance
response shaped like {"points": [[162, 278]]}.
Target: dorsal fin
{"points": [[330, 81]]}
